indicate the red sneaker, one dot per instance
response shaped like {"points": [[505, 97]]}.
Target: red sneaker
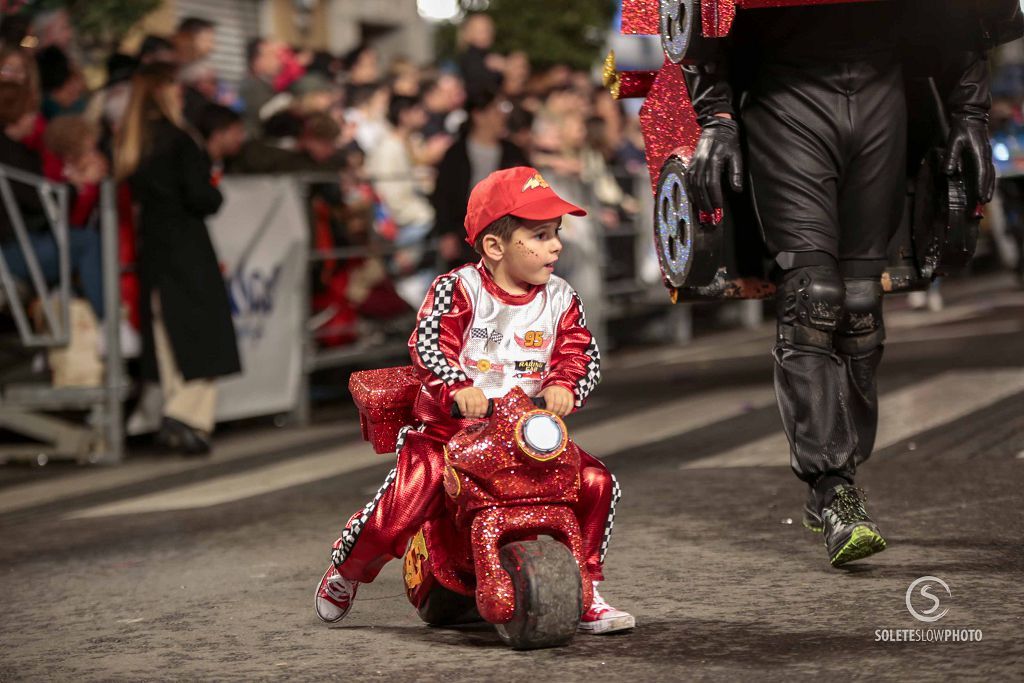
{"points": [[334, 596], [603, 618]]}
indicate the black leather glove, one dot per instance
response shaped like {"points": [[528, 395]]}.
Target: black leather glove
{"points": [[718, 150], [966, 82], [968, 150]]}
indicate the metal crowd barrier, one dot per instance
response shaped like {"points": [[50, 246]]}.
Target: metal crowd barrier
{"points": [[384, 342], [35, 410], [54, 199]]}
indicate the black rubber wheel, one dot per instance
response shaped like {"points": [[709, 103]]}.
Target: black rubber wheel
{"points": [[549, 596], [448, 608]]}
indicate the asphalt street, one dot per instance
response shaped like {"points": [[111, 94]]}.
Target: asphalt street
{"points": [[167, 568]]}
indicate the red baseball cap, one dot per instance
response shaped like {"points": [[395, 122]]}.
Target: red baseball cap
{"points": [[519, 192]]}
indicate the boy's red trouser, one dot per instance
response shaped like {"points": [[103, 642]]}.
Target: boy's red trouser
{"points": [[413, 494]]}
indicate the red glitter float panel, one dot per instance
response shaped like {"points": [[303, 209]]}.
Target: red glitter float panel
{"points": [[634, 84], [716, 17], [667, 120], [385, 399], [640, 17], [451, 556]]}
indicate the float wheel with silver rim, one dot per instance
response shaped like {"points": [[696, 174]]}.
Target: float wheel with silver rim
{"points": [[688, 251], [676, 22]]}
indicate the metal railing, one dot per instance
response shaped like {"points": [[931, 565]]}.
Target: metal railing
{"points": [[376, 345], [27, 407], [54, 200]]}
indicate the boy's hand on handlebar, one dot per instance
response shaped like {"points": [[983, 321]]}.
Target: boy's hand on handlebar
{"points": [[559, 399], [472, 402]]}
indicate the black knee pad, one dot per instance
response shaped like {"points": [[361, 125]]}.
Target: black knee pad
{"points": [[861, 330], [810, 305]]}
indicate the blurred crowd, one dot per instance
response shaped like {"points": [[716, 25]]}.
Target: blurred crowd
{"points": [[391, 149]]}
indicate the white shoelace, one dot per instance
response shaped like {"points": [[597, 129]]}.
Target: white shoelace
{"points": [[339, 593], [599, 602]]}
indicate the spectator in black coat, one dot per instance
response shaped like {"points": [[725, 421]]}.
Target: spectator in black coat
{"points": [[188, 333]]}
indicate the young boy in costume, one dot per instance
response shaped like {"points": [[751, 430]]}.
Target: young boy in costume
{"points": [[483, 329]]}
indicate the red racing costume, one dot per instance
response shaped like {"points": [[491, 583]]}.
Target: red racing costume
{"points": [[470, 332]]}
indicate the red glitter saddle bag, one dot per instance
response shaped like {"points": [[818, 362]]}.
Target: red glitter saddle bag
{"points": [[384, 398]]}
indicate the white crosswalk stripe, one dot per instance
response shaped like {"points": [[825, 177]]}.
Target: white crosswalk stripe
{"points": [[903, 413], [138, 471], [902, 326], [672, 419], [257, 482]]}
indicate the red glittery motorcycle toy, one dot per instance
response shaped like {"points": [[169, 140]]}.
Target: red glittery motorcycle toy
{"points": [[509, 548]]}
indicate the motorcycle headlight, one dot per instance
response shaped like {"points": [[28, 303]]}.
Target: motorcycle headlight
{"points": [[542, 435]]}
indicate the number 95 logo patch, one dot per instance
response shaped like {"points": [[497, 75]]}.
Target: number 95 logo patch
{"points": [[534, 340]]}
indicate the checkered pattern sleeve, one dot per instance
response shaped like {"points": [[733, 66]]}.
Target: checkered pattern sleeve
{"points": [[436, 342], [575, 359]]}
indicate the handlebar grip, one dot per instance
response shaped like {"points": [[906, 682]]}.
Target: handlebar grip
{"points": [[457, 412]]}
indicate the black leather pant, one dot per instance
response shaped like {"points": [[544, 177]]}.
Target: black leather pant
{"points": [[826, 150]]}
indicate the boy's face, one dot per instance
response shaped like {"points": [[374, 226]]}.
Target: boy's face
{"points": [[530, 253]]}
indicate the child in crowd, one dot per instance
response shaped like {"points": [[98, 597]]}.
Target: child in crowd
{"points": [[73, 156], [476, 324]]}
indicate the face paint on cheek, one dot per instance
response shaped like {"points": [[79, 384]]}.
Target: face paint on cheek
{"points": [[523, 249]]}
